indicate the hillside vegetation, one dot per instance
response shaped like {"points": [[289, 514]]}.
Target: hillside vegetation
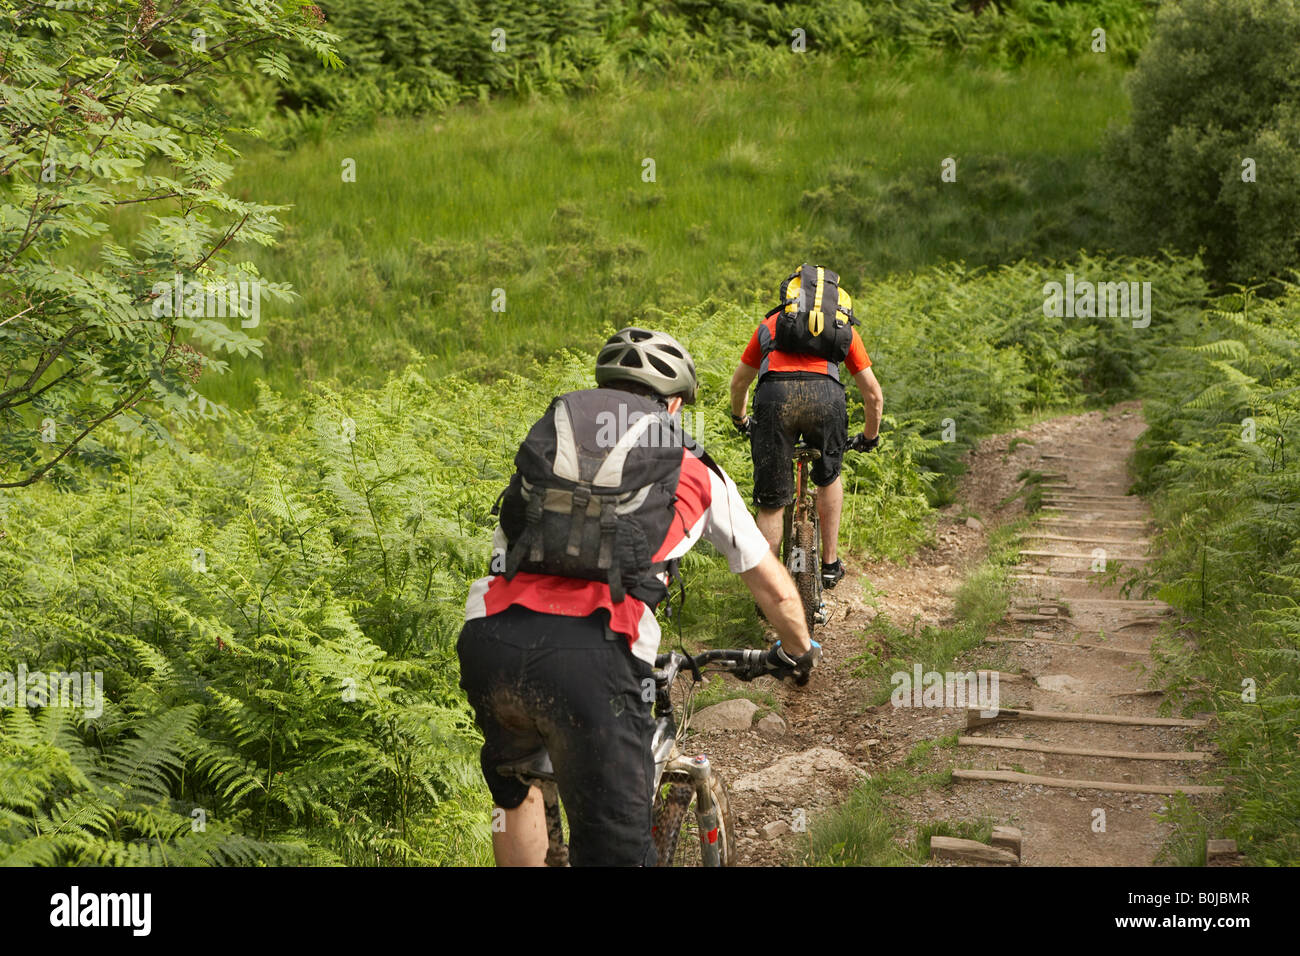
{"points": [[272, 588], [525, 199]]}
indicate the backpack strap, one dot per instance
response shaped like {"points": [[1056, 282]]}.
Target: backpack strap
{"points": [[533, 531], [530, 540], [810, 282], [608, 532], [581, 497]]}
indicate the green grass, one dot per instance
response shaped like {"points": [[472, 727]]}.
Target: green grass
{"points": [[979, 604], [833, 161], [866, 830]]}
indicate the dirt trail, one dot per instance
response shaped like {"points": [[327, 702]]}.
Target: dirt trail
{"points": [[834, 736]]}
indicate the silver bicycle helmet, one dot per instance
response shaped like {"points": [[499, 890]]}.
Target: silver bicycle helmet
{"points": [[655, 359]]}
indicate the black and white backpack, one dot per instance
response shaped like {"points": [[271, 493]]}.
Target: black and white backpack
{"points": [[593, 491]]}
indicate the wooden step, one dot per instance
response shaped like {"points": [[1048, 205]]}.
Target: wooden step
{"points": [[1092, 523], [1062, 577], [1042, 536], [969, 851], [1086, 645], [974, 718], [1038, 746], [1110, 501], [1085, 556], [1090, 496], [1065, 783], [1135, 603]]}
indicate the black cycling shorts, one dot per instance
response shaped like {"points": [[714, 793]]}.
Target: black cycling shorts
{"points": [[788, 409], [572, 686]]}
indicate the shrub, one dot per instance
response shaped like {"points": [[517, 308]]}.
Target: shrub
{"points": [[1217, 86]]}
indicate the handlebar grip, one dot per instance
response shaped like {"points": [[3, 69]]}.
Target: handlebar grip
{"points": [[752, 664]]}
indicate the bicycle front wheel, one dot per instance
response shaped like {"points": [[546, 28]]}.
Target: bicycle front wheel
{"points": [[807, 573], [678, 836]]}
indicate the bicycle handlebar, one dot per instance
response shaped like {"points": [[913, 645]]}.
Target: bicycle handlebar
{"points": [[742, 664]]}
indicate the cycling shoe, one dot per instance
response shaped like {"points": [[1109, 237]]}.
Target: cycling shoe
{"points": [[831, 574]]}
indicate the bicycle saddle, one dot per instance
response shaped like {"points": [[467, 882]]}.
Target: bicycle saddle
{"points": [[807, 452], [536, 766]]}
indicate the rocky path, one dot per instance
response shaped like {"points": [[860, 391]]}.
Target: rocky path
{"points": [[1084, 782]]}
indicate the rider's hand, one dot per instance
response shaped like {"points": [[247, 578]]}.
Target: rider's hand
{"points": [[782, 665], [861, 442], [743, 425]]}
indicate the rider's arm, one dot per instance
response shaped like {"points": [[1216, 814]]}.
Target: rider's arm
{"points": [[730, 528], [858, 364], [740, 383], [873, 401], [774, 590]]}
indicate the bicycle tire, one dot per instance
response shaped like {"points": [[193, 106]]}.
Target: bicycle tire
{"points": [[808, 580], [676, 832]]}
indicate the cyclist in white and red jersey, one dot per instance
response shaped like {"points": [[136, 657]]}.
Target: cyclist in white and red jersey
{"points": [[559, 661]]}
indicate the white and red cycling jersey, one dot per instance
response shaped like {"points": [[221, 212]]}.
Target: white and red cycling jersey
{"points": [[707, 505]]}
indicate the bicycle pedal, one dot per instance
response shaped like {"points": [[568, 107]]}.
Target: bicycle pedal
{"points": [[822, 614]]}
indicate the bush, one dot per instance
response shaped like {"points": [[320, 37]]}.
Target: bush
{"points": [[1219, 458], [407, 57], [1216, 86]]}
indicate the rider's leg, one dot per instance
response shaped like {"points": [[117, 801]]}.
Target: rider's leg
{"points": [[771, 521], [598, 727], [490, 663], [830, 500], [520, 839], [772, 445], [829, 433]]}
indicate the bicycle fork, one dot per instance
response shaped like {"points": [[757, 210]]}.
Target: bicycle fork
{"points": [[700, 772]]}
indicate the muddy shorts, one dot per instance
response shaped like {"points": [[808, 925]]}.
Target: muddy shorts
{"points": [[571, 686], [787, 409]]}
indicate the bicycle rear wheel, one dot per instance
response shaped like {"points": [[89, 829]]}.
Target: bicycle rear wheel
{"points": [[676, 830]]}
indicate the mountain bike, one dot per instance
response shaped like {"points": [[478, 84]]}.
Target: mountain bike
{"points": [[692, 812], [801, 542]]}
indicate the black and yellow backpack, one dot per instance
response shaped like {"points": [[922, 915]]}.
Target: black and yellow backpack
{"points": [[815, 316]]}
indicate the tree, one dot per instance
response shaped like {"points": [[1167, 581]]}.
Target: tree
{"points": [[116, 236], [1211, 156]]}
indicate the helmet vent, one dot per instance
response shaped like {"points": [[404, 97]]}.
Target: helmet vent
{"points": [[630, 359]]}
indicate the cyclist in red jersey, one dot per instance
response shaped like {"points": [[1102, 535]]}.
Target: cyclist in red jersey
{"points": [[801, 397]]}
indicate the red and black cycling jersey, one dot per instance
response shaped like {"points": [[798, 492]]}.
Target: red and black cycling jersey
{"points": [[707, 505]]}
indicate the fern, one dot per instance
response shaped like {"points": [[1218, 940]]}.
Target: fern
{"points": [[1229, 499]]}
